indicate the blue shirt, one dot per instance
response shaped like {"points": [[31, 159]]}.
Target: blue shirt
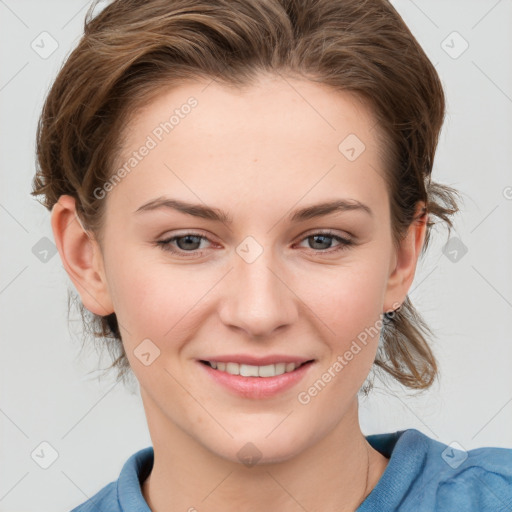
{"points": [[422, 475]]}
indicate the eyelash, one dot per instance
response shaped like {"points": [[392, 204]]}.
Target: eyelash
{"points": [[165, 245]]}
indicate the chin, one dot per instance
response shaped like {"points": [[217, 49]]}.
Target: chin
{"points": [[257, 450]]}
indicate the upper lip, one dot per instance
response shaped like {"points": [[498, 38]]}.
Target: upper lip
{"points": [[257, 361]]}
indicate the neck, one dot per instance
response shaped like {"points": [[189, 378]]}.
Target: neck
{"points": [[336, 473]]}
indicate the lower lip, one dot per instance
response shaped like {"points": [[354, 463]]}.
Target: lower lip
{"points": [[257, 387]]}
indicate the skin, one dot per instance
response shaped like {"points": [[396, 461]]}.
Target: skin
{"points": [[258, 155]]}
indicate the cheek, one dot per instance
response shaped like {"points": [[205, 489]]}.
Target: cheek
{"points": [[347, 299], [159, 301], [152, 303], [348, 303]]}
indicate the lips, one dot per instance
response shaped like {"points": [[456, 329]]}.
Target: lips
{"points": [[252, 387], [256, 361]]}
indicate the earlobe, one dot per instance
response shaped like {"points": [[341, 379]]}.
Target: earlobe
{"points": [[81, 257], [402, 276]]}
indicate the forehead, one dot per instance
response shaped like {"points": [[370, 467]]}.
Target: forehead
{"points": [[306, 109], [279, 139]]}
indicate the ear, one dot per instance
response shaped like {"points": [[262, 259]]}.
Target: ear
{"points": [[405, 261], [81, 257]]}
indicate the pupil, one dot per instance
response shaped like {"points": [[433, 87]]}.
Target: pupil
{"points": [[187, 240], [321, 236]]}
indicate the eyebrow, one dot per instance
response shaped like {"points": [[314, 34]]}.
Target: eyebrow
{"points": [[215, 214]]}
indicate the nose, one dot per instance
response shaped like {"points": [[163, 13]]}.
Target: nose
{"points": [[257, 298]]}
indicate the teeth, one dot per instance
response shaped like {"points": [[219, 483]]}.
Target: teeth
{"points": [[247, 370]]}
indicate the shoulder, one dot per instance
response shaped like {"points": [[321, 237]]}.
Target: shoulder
{"points": [[479, 479], [123, 494], [106, 499], [424, 474]]}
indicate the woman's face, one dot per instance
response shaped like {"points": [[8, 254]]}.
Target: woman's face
{"points": [[262, 281]]}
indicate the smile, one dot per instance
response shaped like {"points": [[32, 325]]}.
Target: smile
{"points": [[255, 382], [247, 370]]}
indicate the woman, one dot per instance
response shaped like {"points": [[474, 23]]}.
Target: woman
{"points": [[291, 143]]}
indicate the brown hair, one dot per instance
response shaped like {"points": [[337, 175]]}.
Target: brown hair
{"points": [[133, 49]]}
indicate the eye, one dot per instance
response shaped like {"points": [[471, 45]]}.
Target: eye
{"points": [[186, 243], [319, 240]]}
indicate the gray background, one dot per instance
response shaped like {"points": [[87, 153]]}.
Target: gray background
{"points": [[92, 426]]}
